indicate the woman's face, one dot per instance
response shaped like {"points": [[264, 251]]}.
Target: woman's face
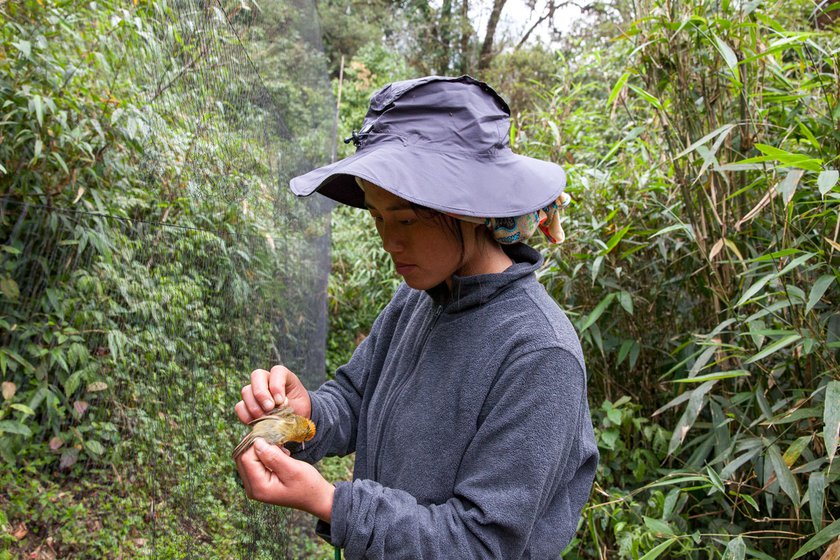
{"points": [[424, 250]]}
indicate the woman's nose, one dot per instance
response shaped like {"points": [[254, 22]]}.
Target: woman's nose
{"points": [[392, 242]]}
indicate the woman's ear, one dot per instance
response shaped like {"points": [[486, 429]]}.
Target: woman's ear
{"points": [[472, 230], [479, 233]]}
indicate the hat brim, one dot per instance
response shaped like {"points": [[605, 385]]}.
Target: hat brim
{"points": [[494, 185]]}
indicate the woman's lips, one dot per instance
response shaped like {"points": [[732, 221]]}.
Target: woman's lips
{"points": [[404, 268]]}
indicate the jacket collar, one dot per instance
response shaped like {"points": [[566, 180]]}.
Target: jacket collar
{"points": [[472, 291]]}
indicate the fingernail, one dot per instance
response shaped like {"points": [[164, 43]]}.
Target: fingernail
{"points": [[260, 445], [278, 399], [268, 404]]}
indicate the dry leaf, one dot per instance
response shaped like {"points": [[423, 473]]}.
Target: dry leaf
{"points": [[832, 552], [761, 204], [80, 407], [716, 249], [56, 443], [68, 458], [97, 386], [9, 390], [20, 531]]}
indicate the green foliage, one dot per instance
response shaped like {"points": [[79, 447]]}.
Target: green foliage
{"points": [[361, 284], [145, 271], [702, 266]]}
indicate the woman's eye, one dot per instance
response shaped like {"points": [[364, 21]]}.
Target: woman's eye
{"points": [[407, 222]]}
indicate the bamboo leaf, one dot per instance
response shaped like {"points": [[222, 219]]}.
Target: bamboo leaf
{"points": [[634, 353], [692, 411], [720, 131], [702, 360], [754, 288], [717, 483], [817, 291], [619, 85], [795, 449], [624, 350], [734, 248], [646, 96], [819, 539], [626, 301], [795, 263], [714, 376], [806, 132], [816, 498], [676, 401], [765, 200], [673, 227], [831, 419], [787, 188], [37, 105], [658, 549], [827, 180], [671, 481], [771, 348], [597, 312], [728, 54], [736, 549], [786, 479], [615, 239], [788, 158]]}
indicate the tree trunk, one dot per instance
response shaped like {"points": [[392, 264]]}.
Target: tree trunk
{"points": [[445, 37], [486, 55], [466, 31]]}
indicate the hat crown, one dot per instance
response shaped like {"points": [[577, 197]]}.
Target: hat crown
{"points": [[439, 113]]}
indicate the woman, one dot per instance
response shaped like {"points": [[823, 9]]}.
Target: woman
{"points": [[466, 405]]}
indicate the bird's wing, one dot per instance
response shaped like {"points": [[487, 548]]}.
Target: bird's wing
{"points": [[281, 412], [246, 442]]}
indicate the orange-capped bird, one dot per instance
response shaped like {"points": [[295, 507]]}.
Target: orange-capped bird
{"points": [[278, 427]]}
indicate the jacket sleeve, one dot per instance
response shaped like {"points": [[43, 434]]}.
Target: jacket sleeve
{"points": [[532, 461], [336, 404]]}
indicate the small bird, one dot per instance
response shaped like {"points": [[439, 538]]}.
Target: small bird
{"points": [[278, 427]]}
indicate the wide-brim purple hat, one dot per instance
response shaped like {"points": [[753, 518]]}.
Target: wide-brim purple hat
{"points": [[443, 143]]}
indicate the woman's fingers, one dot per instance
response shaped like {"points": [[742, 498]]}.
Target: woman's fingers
{"points": [[277, 380], [250, 403], [268, 390], [244, 475], [260, 392], [242, 412]]}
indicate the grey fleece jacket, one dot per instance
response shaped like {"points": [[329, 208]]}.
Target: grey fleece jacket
{"points": [[468, 414]]}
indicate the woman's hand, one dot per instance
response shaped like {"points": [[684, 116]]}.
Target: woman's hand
{"points": [[270, 389], [270, 475]]}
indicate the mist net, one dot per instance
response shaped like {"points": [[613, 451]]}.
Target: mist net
{"points": [[152, 257]]}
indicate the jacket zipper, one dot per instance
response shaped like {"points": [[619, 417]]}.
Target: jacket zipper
{"points": [[389, 403]]}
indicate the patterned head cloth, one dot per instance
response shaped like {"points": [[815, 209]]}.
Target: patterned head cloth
{"points": [[519, 228]]}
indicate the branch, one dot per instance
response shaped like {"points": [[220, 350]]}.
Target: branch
{"points": [[552, 7]]}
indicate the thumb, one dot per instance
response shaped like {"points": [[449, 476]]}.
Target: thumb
{"points": [[270, 455]]}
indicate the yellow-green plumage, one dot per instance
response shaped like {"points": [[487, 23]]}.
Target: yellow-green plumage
{"points": [[278, 427]]}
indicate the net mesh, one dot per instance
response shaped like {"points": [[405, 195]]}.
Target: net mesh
{"points": [[142, 284]]}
